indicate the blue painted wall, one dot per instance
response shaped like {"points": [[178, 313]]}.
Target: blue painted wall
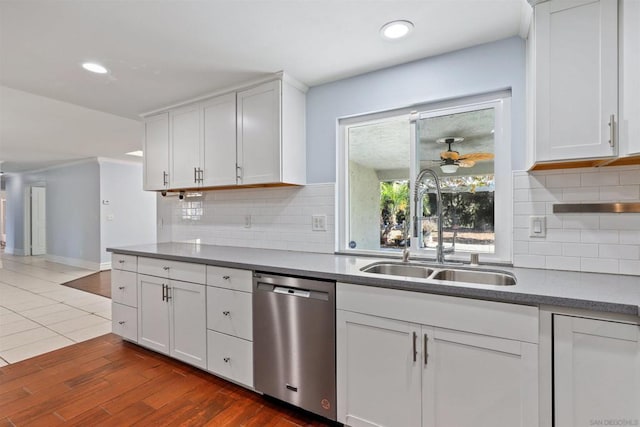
{"points": [[476, 70]]}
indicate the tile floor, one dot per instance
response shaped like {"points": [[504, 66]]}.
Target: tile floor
{"points": [[38, 315]]}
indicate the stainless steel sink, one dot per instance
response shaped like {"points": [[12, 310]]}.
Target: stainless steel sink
{"points": [[476, 276], [398, 269]]}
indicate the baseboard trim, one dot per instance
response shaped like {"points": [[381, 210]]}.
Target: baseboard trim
{"points": [[74, 262], [105, 266], [13, 251]]}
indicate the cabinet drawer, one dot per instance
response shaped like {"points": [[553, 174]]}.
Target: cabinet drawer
{"points": [[124, 321], [230, 357], [124, 262], [230, 278], [123, 287], [229, 312], [175, 270]]}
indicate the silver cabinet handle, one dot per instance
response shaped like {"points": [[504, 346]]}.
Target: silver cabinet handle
{"points": [[612, 130], [120, 261], [226, 313], [165, 178], [121, 288], [168, 293], [238, 172], [415, 350], [164, 292], [226, 359], [426, 352], [226, 277], [165, 268], [195, 175], [122, 322], [200, 175]]}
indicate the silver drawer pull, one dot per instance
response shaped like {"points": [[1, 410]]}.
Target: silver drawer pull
{"points": [[226, 313], [122, 322], [121, 261], [121, 288], [165, 268], [227, 359], [226, 277]]}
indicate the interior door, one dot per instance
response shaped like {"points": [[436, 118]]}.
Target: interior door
{"points": [[38, 221]]}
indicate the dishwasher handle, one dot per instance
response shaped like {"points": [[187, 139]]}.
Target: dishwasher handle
{"points": [[294, 292], [291, 291]]}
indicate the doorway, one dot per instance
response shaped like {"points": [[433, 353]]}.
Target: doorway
{"points": [[38, 221]]}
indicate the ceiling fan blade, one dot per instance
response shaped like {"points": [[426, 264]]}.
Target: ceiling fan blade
{"points": [[466, 163], [477, 156], [451, 155]]}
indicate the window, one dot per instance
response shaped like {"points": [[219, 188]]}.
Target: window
{"points": [[466, 142]]}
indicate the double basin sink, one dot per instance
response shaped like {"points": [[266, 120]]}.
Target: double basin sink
{"points": [[444, 273]]}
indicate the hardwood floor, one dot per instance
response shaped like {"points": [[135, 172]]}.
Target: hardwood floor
{"points": [[106, 381], [98, 283]]}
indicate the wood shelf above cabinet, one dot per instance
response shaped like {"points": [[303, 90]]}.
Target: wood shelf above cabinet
{"points": [[588, 163]]}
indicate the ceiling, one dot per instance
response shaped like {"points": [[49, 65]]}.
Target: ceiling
{"points": [[162, 52]]}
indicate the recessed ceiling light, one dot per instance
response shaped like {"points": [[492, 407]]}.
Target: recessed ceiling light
{"points": [[396, 29], [137, 153], [94, 68]]}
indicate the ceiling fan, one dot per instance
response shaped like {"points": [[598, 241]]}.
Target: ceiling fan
{"points": [[451, 160]]}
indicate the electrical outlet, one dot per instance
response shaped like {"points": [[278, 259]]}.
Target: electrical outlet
{"points": [[247, 221], [537, 226], [318, 222]]}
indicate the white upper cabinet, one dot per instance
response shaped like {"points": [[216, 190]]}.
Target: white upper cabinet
{"points": [[186, 135], [252, 136], [629, 127], [156, 152], [271, 134], [576, 79], [219, 141]]}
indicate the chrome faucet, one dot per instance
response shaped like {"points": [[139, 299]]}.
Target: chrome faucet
{"points": [[417, 216], [405, 233]]}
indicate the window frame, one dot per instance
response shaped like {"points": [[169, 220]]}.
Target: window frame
{"points": [[503, 208]]}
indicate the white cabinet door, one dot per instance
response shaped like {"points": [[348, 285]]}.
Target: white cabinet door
{"points": [[219, 149], [259, 134], [476, 380], [153, 313], [379, 371], [596, 372], [630, 73], [188, 322], [230, 312], [576, 70], [156, 152], [186, 134]]}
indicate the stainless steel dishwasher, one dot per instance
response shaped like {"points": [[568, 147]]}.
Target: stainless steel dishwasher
{"points": [[294, 341]]}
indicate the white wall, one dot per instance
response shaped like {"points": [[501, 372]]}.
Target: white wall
{"points": [[479, 69], [604, 243], [127, 213]]}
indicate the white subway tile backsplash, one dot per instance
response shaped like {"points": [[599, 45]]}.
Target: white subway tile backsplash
{"points": [[619, 251], [597, 265], [606, 243], [562, 263], [580, 250], [630, 267], [280, 218], [563, 180], [620, 192], [599, 236], [580, 194]]}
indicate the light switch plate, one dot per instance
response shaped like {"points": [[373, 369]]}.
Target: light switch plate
{"points": [[318, 222], [537, 226]]}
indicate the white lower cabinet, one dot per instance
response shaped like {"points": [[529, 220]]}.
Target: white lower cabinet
{"points": [[230, 357], [124, 321], [596, 372], [403, 372], [172, 318]]}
